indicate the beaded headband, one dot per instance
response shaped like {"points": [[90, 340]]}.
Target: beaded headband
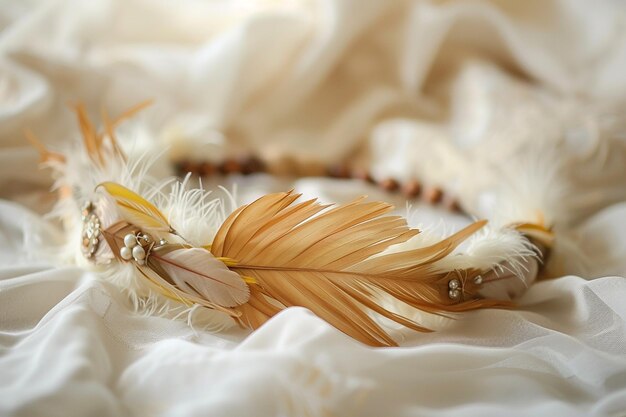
{"points": [[351, 264]]}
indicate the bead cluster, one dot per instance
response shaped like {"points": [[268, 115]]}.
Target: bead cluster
{"points": [[454, 289], [243, 165], [136, 247], [411, 189], [249, 165], [91, 230]]}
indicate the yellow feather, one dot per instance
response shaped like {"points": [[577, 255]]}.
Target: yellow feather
{"points": [[136, 209]]}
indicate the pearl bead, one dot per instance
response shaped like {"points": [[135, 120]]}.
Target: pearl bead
{"points": [[130, 241], [454, 284], [126, 253], [139, 253], [454, 294], [478, 280]]}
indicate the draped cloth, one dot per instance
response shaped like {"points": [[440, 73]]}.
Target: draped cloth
{"points": [[460, 94]]}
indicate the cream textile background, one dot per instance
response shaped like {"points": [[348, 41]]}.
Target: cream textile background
{"points": [[446, 89]]}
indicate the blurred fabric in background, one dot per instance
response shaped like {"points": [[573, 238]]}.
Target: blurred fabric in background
{"points": [[466, 94]]}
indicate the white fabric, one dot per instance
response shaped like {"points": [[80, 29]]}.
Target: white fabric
{"points": [[425, 83]]}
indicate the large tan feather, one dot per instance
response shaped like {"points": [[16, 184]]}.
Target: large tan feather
{"points": [[324, 259]]}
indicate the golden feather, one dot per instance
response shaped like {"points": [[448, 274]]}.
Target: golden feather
{"points": [[329, 261]]}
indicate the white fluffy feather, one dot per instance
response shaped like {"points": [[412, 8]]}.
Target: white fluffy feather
{"points": [[194, 212]]}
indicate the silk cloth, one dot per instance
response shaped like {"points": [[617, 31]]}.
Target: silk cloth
{"points": [[423, 86]]}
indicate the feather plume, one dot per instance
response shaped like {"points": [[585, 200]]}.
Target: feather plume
{"points": [[154, 274], [324, 259]]}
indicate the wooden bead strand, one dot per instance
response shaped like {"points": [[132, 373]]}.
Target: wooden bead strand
{"points": [[248, 165]]}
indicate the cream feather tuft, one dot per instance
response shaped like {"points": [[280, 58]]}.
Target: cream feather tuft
{"points": [[195, 213]]}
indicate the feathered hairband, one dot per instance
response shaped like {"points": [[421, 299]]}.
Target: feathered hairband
{"points": [[350, 264]]}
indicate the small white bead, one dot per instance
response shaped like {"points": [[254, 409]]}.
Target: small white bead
{"points": [[126, 253], [139, 253], [454, 294], [478, 280], [130, 241], [454, 284]]}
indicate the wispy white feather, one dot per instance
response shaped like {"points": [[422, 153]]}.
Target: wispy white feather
{"points": [[194, 212]]}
